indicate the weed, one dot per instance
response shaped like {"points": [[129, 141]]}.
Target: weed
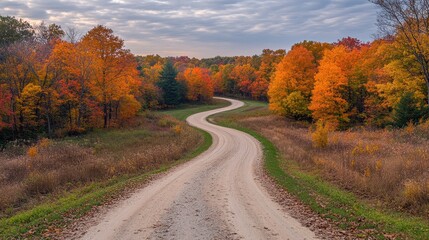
{"points": [[32, 151], [177, 129]]}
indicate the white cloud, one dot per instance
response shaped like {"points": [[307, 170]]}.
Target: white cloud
{"points": [[206, 28]]}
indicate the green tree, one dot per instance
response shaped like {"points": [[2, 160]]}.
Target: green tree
{"points": [[170, 87], [46, 33], [13, 30], [408, 110]]}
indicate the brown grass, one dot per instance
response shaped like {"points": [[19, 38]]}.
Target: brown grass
{"points": [[389, 167], [54, 166]]}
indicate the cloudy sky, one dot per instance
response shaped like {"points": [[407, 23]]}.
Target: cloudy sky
{"points": [[206, 28]]}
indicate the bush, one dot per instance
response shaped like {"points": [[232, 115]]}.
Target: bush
{"points": [[414, 192], [177, 129], [42, 183], [32, 151], [76, 131], [14, 193], [296, 106], [320, 135], [165, 122]]}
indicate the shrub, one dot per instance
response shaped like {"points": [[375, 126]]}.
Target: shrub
{"points": [[44, 143], [165, 122], [296, 106], [75, 131], [14, 193], [42, 183], [413, 192], [320, 135], [32, 151], [177, 129]]}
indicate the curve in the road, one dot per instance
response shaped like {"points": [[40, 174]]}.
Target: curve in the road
{"points": [[214, 196]]}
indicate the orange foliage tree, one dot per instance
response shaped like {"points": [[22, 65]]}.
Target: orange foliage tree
{"points": [[244, 76], [76, 62], [114, 70], [295, 74], [222, 82], [328, 103], [269, 61], [199, 84]]}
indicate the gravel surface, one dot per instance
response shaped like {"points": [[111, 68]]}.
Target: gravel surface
{"points": [[221, 194]]}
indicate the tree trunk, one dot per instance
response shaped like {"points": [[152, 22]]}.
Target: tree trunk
{"points": [[49, 125], [110, 112], [80, 112], [48, 117], [427, 84], [70, 117], [105, 114], [425, 69], [15, 121]]}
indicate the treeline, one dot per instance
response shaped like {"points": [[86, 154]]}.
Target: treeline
{"points": [[53, 86], [55, 83], [342, 84], [349, 83]]}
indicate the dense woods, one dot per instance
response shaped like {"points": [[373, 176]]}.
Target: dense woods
{"points": [[54, 83]]}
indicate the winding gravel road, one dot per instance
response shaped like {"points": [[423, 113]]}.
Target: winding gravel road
{"points": [[217, 195]]}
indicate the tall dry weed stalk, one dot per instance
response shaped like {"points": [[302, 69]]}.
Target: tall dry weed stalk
{"points": [[389, 166], [48, 167]]}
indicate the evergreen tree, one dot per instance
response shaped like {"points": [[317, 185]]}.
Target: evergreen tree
{"points": [[407, 110], [171, 89]]}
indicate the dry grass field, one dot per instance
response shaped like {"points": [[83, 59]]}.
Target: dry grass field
{"points": [[388, 167], [31, 173]]}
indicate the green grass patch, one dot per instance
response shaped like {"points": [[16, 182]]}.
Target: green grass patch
{"points": [[327, 200]]}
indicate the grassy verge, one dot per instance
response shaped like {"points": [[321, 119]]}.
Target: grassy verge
{"points": [[46, 219], [343, 208]]}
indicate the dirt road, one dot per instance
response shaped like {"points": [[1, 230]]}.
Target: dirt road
{"points": [[215, 196]]}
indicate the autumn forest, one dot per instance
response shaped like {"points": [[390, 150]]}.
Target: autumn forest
{"points": [[343, 127], [53, 83]]}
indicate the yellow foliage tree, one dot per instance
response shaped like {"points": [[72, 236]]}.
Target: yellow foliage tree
{"points": [[27, 103], [295, 73], [129, 106]]}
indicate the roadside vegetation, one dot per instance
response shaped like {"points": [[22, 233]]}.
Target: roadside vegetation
{"points": [[51, 182], [366, 183], [49, 169]]}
